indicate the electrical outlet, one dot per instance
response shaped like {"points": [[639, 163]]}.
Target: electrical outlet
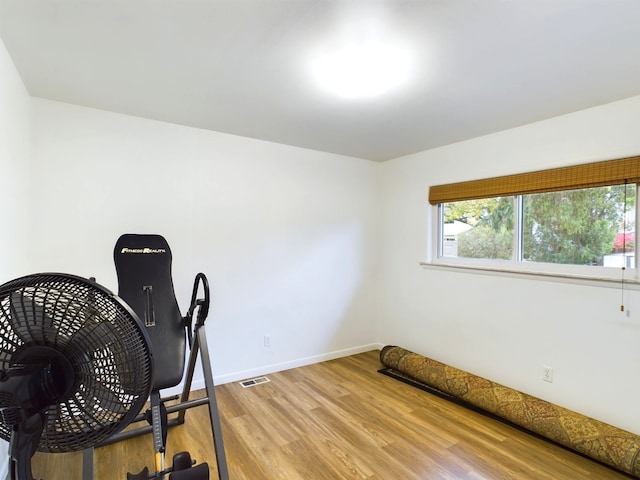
{"points": [[267, 340], [547, 374]]}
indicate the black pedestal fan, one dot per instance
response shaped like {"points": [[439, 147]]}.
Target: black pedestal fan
{"points": [[75, 366]]}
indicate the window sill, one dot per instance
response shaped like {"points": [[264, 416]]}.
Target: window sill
{"points": [[630, 281]]}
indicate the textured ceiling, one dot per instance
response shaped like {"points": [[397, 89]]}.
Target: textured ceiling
{"points": [[242, 66]]}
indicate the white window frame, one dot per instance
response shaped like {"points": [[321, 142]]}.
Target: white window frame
{"points": [[597, 275]]}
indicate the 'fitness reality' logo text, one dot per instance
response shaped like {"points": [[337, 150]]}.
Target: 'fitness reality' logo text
{"points": [[142, 250]]}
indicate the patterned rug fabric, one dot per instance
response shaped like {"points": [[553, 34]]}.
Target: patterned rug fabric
{"points": [[585, 435]]}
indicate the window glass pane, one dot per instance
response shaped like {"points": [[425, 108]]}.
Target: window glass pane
{"points": [[580, 227], [479, 228]]}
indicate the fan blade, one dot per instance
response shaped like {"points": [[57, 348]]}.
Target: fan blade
{"points": [[29, 320]]}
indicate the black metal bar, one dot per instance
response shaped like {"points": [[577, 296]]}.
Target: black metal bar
{"points": [[158, 421], [168, 399], [87, 464], [186, 389], [202, 307], [136, 432], [181, 407], [216, 427]]}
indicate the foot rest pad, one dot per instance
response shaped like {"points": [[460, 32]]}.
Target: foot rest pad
{"points": [[197, 472], [142, 475]]}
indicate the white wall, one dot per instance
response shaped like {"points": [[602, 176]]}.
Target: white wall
{"points": [[14, 167], [503, 328], [286, 236]]}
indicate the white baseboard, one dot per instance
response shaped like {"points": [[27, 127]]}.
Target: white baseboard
{"points": [[300, 362], [198, 383]]}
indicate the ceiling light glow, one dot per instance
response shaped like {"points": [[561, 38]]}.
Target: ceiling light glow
{"points": [[362, 70]]}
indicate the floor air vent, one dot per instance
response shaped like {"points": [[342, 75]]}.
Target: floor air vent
{"points": [[254, 381]]}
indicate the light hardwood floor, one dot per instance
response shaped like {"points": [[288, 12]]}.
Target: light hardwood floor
{"points": [[343, 420]]}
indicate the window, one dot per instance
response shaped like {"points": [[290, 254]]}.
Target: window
{"points": [[592, 226], [478, 228], [574, 216]]}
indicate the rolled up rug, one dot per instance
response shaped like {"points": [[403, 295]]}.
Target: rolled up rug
{"points": [[593, 438]]}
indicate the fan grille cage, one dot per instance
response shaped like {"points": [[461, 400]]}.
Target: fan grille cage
{"points": [[103, 340]]}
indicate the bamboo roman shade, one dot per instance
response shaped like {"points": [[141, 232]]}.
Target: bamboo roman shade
{"points": [[611, 172]]}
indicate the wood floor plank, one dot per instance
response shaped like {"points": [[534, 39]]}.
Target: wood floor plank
{"points": [[341, 420]]}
